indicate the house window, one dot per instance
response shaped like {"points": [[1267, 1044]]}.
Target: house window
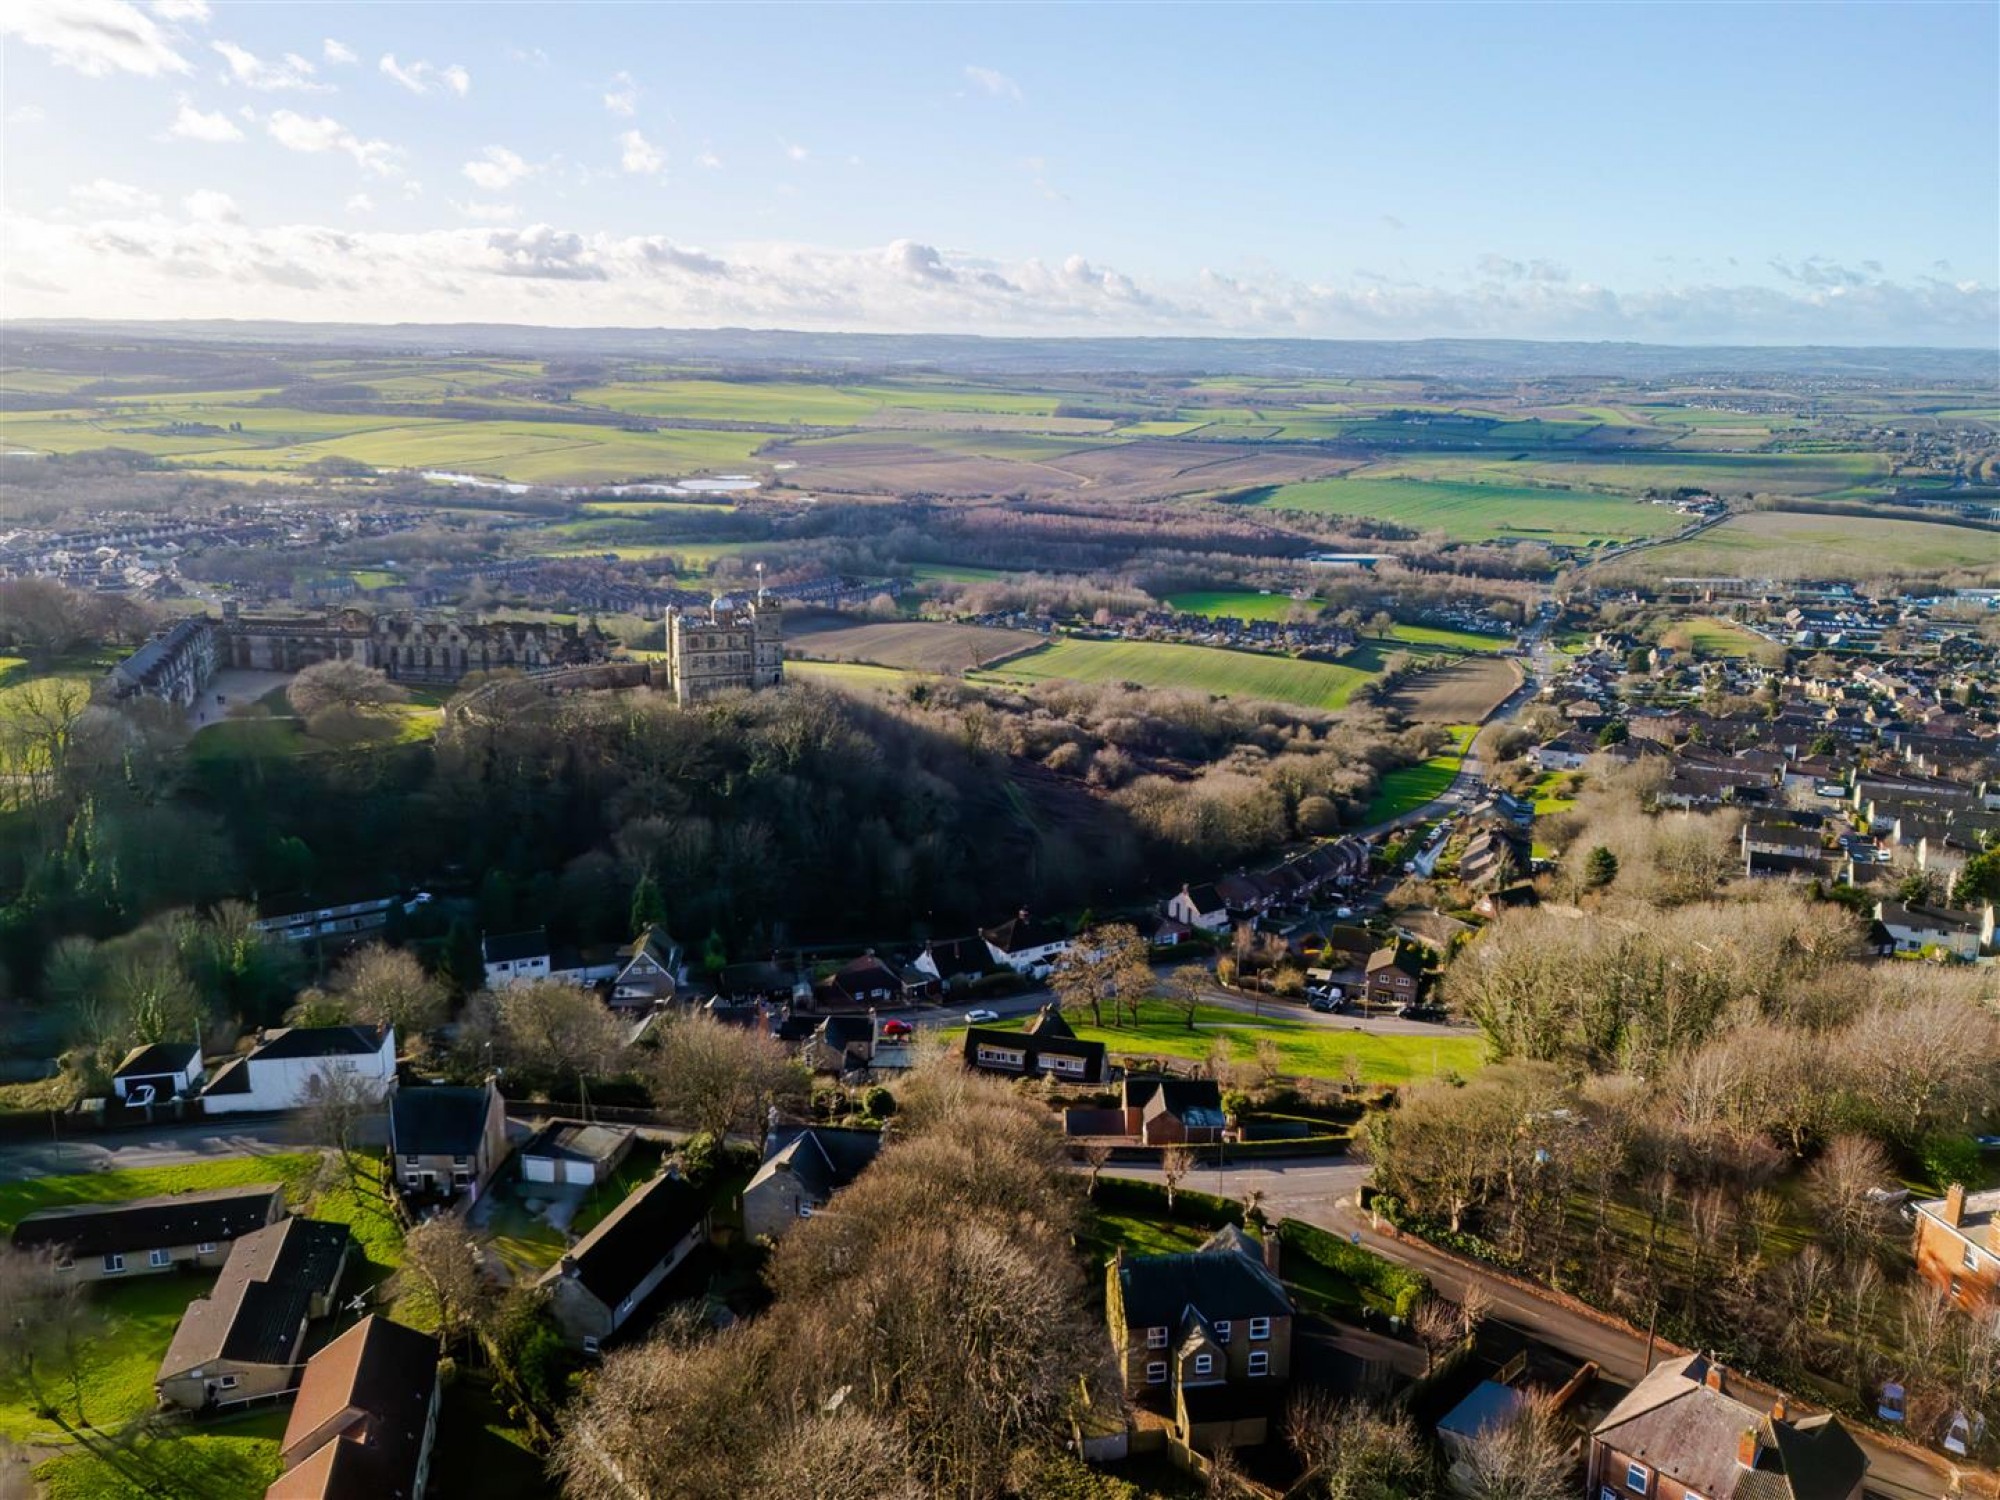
{"points": [[1260, 1361], [1605, 1492], [1971, 1259], [410, 1161], [461, 1161], [411, 1180], [159, 1258], [1156, 1372], [1222, 1332], [206, 1247], [227, 1382], [1260, 1328], [1637, 1478], [1204, 1364], [1956, 1288], [113, 1263], [590, 1343], [1156, 1338]]}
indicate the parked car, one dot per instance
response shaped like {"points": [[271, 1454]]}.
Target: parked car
{"points": [[897, 1028], [1422, 1013], [1342, 913], [1326, 1004], [981, 1017]]}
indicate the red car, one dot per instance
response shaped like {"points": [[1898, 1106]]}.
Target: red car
{"points": [[897, 1028]]}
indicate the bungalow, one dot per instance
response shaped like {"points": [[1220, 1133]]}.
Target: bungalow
{"points": [[646, 977], [597, 1286], [1916, 929], [447, 1141], [862, 983], [365, 1418], [1173, 1111], [1394, 972], [1046, 1045], [288, 1065], [515, 957], [1027, 945], [140, 1236], [757, 982], [155, 1074], [573, 1154], [957, 962], [1565, 752], [802, 1171], [1200, 907], [242, 1340]]}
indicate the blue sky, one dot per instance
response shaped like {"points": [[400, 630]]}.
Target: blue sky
{"points": [[1685, 173]]}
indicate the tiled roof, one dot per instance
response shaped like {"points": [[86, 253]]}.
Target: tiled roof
{"points": [[439, 1121], [356, 1431], [152, 1223]]}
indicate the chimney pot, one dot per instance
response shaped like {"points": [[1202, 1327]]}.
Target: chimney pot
{"points": [[1713, 1378], [1779, 1412], [1954, 1204], [1747, 1448], [1271, 1252]]}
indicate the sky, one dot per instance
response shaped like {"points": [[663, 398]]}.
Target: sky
{"points": [[1675, 173]]}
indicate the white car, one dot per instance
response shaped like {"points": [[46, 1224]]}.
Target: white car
{"points": [[981, 1017], [1343, 912]]}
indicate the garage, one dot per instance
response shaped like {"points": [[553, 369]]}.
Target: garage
{"points": [[569, 1153]]}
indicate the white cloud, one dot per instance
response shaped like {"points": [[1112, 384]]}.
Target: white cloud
{"points": [[993, 83], [496, 170], [360, 203], [421, 77], [794, 151], [623, 97], [296, 132], [289, 72], [708, 160], [640, 155], [181, 10], [488, 213], [211, 207], [191, 124], [95, 37], [103, 193], [26, 114], [337, 53]]}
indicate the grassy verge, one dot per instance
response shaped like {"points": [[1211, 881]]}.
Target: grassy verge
{"points": [[1410, 787], [236, 1461]]}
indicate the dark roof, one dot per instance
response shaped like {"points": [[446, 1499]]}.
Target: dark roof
{"points": [[754, 979], [258, 1304], [161, 1057], [154, 1223], [439, 1121], [823, 1159], [1021, 932], [1181, 1097], [380, 1377], [1049, 1025], [319, 1041], [633, 1238], [1204, 898], [1224, 1279], [511, 947], [844, 1033], [1036, 1045], [566, 1140], [959, 956], [1397, 957]]}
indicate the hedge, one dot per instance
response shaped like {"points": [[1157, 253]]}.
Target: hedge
{"points": [[1150, 1198], [1396, 1288]]}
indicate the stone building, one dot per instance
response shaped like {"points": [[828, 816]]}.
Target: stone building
{"points": [[733, 645], [410, 648], [174, 665]]}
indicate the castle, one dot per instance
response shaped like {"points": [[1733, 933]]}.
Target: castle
{"points": [[734, 645]]}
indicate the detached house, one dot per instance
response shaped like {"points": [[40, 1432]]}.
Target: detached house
{"points": [[646, 974], [142, 1236], [365, 1419], [1045, 1045], [1913, 929], [515, 957], [288, 1064], [801, 1173], [1201, 908], [1204, 1338], [1026, 944], [1157, 1112], [447, 1142], [1679, 1434], [956, 963], [1394, 973], [1958, 1246], [600, 1282]]}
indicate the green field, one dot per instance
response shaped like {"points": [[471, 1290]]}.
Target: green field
{"points": [[232, 1459], [1199, 669], [1477, 512], [1308, 1049], [1789, 544], [952, 573], [1219, 604], [1713, 637], [1454, 640], [850, 674], [1409, 787]]}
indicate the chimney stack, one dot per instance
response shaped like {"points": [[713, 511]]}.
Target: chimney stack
{"points": [[1954, 1204], [569, 1266], [1779, 1412], [1712, 1378], [1747, 1448], [1271, 1251]]}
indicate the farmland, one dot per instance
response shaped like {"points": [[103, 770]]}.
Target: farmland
{"points": [[1461, 692], [1236, 605], [1198, 669], [910, 645], [1477, 512], [1410, 787], [1787, 544]]}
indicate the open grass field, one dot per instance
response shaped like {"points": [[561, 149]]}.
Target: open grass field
{"points": [[234, 1459], [1789, 544], [270, 728], [1461, 692], [1714, 637], [1731, 474], [1451, 640], [1308, 1049], [1241, 604], [852, 676], [1477, 512], [1198, 669], [953, 573], [1408, 788], [910, 645]]}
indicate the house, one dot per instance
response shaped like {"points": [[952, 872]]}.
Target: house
{"points": [[1045, 1045], [1513, 897], [1245, 895], [447, 1142], [759, 982], [575, 1155], [243, 1339], [515, 958], [1915, 929], [956, 963], [1565, 752], [1490, 856], [140, 1236], [155, 1074], [287, 1065], [600, 1282], [802, 1171], [841, 1044], [1679, 1434], [1027, 945], [1200, 907], [1393, 974], [1204, 1337], [863, 983], [1172, 1111], [646, 977], [365, 1418], [1958, 1246]]}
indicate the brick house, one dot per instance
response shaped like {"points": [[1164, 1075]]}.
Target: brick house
{"points": [[1204, 1338], [1958, 1246], [1393, 974], [1680, 1435], [447, 1142], [365, 1419]]}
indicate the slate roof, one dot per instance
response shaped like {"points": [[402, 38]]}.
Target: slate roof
{"points": [[1193, 1100], [439, 1121], [319, 1041], [160, 1057], [254, 1311], [154, 1223], [366, 1396], [823, 1160], [512, 947], [1226, 1278], [632, 1239], [1021, 932], [958, 958], [1675, 1422], [1048, 1025]]}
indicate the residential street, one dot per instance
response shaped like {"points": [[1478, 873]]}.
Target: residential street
{"points": [[165, 1146]]}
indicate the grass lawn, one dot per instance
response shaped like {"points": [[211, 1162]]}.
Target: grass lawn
{"points": [[1553, 792], [1306, 1049], [1455, 640], [275, 731], [475, 1437], [1202, 669], [850, 674], [1478, 512], [1713, 637], [952, 573], [1240, 604], [127, 1327], [1410, 787], [228, 1460]]}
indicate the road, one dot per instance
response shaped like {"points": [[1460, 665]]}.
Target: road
{"points": [[163, 1146]]}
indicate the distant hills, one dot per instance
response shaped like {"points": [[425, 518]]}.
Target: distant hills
{"points": [[969, 355]]}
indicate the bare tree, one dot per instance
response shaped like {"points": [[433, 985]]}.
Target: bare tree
{"points": [[1270, 1061], [1527, 1457], [443, 1258], [1352, 1451], [1474, 1306], [722, 1078], [338, 685], [1175, 1163], [383, 986], [1847, 1189], [44, 1313], [1186, 985], [1096, 1155], [1436, 1326], [338, 1101], [558, 1028]]}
